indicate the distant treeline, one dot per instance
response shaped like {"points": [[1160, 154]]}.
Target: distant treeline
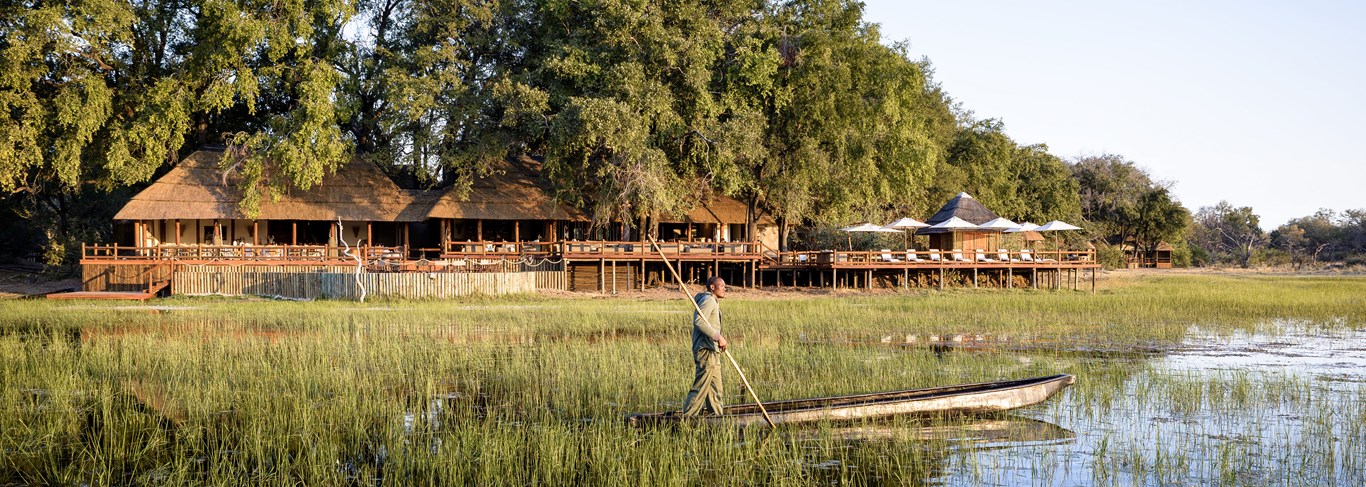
{"points": [[799, 108]]}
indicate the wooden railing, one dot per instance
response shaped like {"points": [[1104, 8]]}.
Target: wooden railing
{"points": [[884, 258], [240, 253], [600, 249], [576, 249], [489, 249]]}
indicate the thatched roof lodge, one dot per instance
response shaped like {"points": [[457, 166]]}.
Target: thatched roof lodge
{"points": [[966, 207], [196, 204]]}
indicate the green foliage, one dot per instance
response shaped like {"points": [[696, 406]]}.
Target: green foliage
{"points": [[1323, 236], [639, 109], [1122, 204], [1110, 256], [1228, 234]]}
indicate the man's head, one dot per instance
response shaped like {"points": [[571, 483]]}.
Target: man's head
{"points": [[716, 286]]}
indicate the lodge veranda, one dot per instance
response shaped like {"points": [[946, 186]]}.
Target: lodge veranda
{"points": [[185, 234]]}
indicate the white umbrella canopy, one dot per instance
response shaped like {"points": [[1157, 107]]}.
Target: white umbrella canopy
{"points": [[907, 225], [955, 223], [865, 228], [1056, 226], [1000, 224], [868, 227], [1024, 227]]}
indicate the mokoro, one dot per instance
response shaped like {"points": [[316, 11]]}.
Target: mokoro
{"points": [[965, 399]]}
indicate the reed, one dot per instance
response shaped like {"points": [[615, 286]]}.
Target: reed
{"points": [[533, 390]]}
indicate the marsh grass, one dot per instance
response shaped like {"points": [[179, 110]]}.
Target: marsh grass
{"points": [[530, 390]]}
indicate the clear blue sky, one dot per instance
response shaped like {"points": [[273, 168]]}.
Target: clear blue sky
{"points": [[1259, 103]]}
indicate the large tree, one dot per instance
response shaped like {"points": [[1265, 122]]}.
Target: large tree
{"points": [[1121, 202], [1228, 234]]}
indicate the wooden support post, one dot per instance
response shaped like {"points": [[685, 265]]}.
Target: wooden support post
{"points": [[1033, 278], [941, 278], [602, 275], [1093, 280], [614, 277], [406, 228], [517, 231], [369, 234], [177, 231], [479, 230], [974, 276], [905, 278], [868, 282], [294, 233], [835, 279], [256, 232], [1010, 278]]}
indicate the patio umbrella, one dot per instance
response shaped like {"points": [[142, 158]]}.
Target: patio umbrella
{"points": [[954, 224], [1000, 224], [864, 228], [1056, 226], [904, 224]]}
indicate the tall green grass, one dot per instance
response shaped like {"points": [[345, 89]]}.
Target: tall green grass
{"points": [[533, 390]]}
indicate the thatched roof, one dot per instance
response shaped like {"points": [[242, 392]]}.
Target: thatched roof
{"points": [[196, 189], [513, 192], [962, 206], [719, 209]]}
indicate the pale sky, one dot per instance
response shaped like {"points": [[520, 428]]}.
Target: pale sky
{"points": [[1259, 103]]}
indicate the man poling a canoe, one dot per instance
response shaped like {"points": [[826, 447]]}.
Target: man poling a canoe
{"points": [[707, 346], [717, 339]]}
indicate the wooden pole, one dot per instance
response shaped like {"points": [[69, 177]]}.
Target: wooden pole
{"points": [[684, 288], [177, 232]]}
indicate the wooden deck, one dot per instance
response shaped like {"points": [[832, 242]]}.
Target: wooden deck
{"points": [[613, 266]]}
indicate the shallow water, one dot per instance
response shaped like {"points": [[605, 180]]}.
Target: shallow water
{"points": [[1272, 407]]}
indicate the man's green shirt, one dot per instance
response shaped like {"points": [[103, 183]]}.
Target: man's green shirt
{"points": [[704, 332]]}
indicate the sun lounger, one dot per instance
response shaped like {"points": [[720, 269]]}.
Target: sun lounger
{"points": [[887, 256], [911, 257], [957, 256], [1004, 256], [982, 256], [934, 255]]}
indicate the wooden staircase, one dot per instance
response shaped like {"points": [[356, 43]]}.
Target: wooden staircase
{"points": [[158, 278]]}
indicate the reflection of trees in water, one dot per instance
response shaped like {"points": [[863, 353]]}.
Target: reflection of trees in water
{"points": [[910, 451]]}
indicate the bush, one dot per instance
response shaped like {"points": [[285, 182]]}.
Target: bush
{"points": [[1110, 256]]}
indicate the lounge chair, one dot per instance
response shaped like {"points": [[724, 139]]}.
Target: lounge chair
{"points": [[1004, 256], [1027, 256], [982, 256], [934, 255], [911, 257], [957, 256], [887, 256]]}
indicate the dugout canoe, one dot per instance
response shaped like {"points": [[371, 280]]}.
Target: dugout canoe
{"points": [[979, 398]]}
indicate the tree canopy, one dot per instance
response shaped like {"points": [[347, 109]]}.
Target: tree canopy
{"points": [[800, 108]]}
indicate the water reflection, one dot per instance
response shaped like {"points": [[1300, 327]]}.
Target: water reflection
{"points": [[980, 431]]}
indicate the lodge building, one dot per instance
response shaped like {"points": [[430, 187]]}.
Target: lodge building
{"points": [[358, 232]]}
